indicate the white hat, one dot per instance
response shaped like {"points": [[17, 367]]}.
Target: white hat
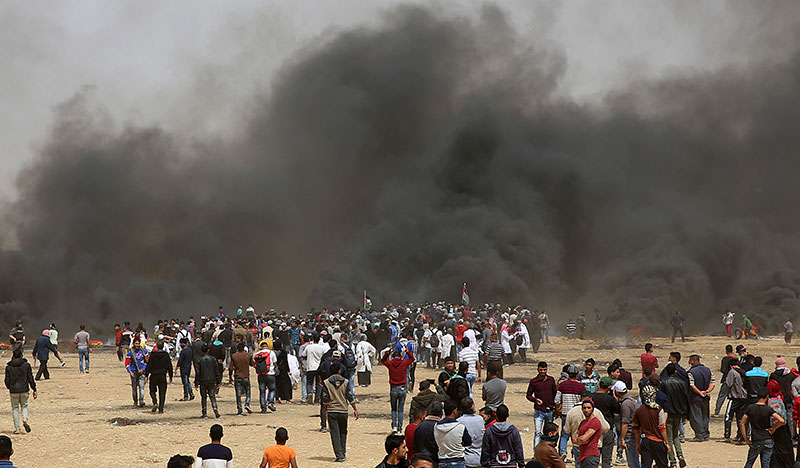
{"points": [[620, 387]]}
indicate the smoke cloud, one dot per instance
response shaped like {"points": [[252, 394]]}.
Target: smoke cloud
{"points": [[407, 158]]}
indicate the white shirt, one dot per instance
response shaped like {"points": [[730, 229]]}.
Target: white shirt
{"points": [[470, 356], [314, 353], [473, 340]]}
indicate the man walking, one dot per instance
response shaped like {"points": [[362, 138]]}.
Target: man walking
{"points": [[158, 366], [241, 361], [542, 393], [84, 348], [336, 396], [701, 384], [397, 366], [266, 364], [135, 364], [184, 365], [19, 382], [727, 320], [41, 351], [760, 416], [208, 378]]}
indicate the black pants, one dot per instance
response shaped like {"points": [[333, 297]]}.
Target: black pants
{"points": [[654, 452], [338, 431], [43, 370], [120, 353], [734, 413], [208, 390], [675, 331], [158, 382]]}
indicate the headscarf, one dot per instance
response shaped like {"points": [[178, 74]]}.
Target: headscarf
{"points": [[774, 389], [46, 332], [780, 366], [648, 395]]}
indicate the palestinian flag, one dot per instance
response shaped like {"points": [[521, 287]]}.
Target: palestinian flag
{"points": [[464, 295], [367, 301]]}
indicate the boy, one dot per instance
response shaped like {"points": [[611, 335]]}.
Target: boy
{"points": [[6, 451], [279, 455]]}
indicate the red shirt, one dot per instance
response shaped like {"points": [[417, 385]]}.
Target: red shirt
{"points": [[589, 449], [649, 360], [397, 369], [118, 336], [460, 329], [409, 433]]}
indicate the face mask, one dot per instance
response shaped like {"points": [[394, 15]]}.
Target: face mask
{"points": [[552, 438]]}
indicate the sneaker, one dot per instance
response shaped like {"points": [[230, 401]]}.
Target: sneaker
{"points": [[247, 408], [191, 397], [323, 430], [620, 461], [216, 414], [155, 408], [264, 411], [63, 363], [205, 416], [682, 462], [26, 426], [272, 408], [697, 439]]}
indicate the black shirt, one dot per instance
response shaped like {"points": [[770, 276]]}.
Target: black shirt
{"points": [[725, 365], [17, 333], [226, 337], [606, 404], [760, 420]]}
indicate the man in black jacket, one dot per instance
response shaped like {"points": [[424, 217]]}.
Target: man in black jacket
{"points": [[158, 366], [41, 351], [677, 391], [208, 378], [19, 380], [424, 441]]}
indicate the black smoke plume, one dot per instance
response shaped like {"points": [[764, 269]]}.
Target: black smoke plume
{"points": [[412, 156]]}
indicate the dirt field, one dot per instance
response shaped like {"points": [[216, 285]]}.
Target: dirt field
{"points": [[73, 418]]}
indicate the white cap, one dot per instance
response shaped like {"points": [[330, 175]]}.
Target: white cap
{"points": [[620, 387]]}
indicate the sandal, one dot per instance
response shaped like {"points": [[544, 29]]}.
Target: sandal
{"points": [[26, 426]]}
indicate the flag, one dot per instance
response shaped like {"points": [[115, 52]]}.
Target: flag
{"points": [[464, 295], [367, 301]]}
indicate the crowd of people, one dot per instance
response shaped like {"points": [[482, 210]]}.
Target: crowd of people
{"points": [[327, 355]]}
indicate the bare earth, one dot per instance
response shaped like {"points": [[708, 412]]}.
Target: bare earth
{"points": [[73, 417]]}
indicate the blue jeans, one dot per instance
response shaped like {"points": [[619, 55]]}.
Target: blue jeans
{"points": [[452, 464], [137, 387], [562, 442], [631, 455], [266, 391], [187, 386], [539, 418], [763, 448], [303, 389], [397, 398], [242, 387], [471, 378], [351, 383], [83, 354]]}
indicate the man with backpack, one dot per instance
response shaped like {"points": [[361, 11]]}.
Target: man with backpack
{"points": [[266, 369], [349, 360]]}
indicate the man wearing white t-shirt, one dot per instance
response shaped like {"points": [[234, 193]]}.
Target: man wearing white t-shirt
{"points": [[313, 356], [469, 355]]}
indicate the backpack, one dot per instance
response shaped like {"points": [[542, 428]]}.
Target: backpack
{"points": [[519, 339], [349, 357], [263, 363], [434, 340]]}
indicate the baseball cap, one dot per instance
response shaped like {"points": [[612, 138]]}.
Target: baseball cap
{"points": [[337, 354], [608, 381], [620, 387], [740, 348], [572, 369]]}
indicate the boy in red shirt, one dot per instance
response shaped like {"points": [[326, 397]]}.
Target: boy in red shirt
{"points": [[648, 359], [588, 435], [419, 415]]}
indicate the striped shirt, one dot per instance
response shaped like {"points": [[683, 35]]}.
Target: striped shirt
{"points": [[214, 456], [495, 351], [569, 394], [470, 356]]}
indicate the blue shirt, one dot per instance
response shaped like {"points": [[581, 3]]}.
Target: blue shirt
{"points": [[7, 464], [756, 372]]}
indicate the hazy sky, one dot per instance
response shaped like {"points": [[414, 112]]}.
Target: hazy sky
{"points": [[189, 64]]}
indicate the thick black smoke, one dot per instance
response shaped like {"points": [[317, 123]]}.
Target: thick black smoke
{"points": [[408, 158]]}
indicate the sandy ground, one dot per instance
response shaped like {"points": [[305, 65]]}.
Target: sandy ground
{"points": [[73, 417]]}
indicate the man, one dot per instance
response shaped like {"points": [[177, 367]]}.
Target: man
{"points": [[737, 400], [648, 359], [451, 437], [502, 444], [279, 455], [425, 397], [208, 378], [158, 366], [266, 365], [727, 320], [84, 348], [17, 335], [241, 361], [6, 450], [349, 360], [184, 365], [677, 392], [396, 450], [650, 430], [544, 327], [335, 398], [724, 368], [398, 367], [418, 415], [493, 391], [677, 325], [784, 377], [41, 351], [581, 324], [469, 354], [588, 435], [421, 460], [495, 353], [589, 377], [424, 440], [54, 338], [788, 330], [755, 378], [627, 409], [546, 451], [542, 393], [135, 364], [568, 395], [313, 357], [624, 375], [19, 382], [476, 429], [608, 406], [747, 325], [214, 455], [572, 328], [701, 384], [760, 417]]}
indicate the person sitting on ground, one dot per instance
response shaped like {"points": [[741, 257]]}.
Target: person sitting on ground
{"points": [[279, 455], [396, 451], [214, 455], [502, 445], [180, 461]]}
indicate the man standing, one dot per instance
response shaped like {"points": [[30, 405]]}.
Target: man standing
{"points": [[650, 431], [761, 417], [396, 451], [677, 325], [17, 335], [737, 400], [135, 364], [608, 406], [241, 361], [727, 320], [158, 366], [335, 397], [568, 395], [502, 444], [184, 365], [398, 367], [214, 455], [208, 377], [724, 368], [546, 452], [544, 327], [424, 440], [677, 392], [452, 438], [542, 393], [313, 357], [788, 330], [701, 384], [581, 324], [589, 378], [469, 354], [84, 348], [494, 389], [587, 437], [648, 359], [627, 410]]}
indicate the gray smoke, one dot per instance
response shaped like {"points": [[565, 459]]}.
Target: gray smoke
{"points": [[413, 156]]}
